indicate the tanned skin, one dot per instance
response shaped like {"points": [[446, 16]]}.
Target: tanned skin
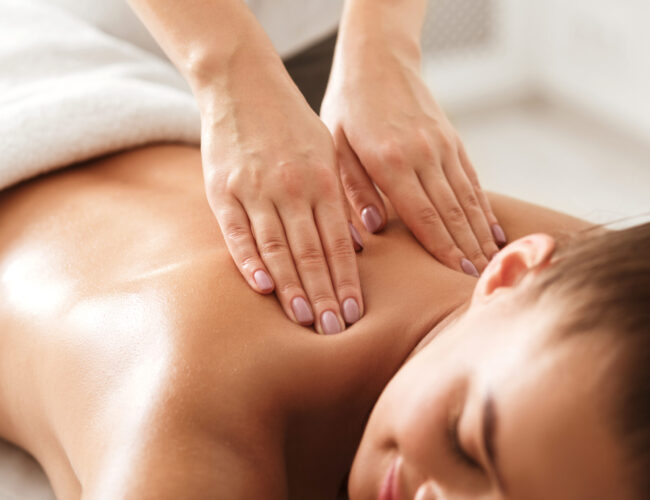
{"points": [[135, 362]]}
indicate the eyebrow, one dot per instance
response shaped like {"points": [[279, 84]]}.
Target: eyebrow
{"points": [[489, 428]]}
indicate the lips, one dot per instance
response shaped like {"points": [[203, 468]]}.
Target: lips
{"points": [[390, 486]]}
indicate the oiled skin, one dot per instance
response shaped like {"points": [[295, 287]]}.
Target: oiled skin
{"points": [[135, 362]]}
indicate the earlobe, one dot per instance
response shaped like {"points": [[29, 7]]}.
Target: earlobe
{"points": [[512, 264]]}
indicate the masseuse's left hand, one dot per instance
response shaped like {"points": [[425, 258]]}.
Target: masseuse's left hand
{"points": [[388, 128]]}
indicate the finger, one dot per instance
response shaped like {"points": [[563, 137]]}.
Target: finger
{"points": [[341, 259], [357, 241], [414, 207], [275, 252], [236, 230], [436, 185], [470, 171], [312, 267], [468, 200], [359, 188]]}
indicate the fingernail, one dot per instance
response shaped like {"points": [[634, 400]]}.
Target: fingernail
{"points": [[351, 311], [330, 323], [469, 268], [356, 238], [263, 280], [371, 218], [302, 310], [499, 235]]}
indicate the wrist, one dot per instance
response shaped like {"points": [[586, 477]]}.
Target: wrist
{"points": [[392, 28], [250, 80], [212, 74]]}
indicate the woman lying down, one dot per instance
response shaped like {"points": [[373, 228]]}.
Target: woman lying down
{"points": [[136, 363]]}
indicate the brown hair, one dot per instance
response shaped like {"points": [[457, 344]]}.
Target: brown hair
{"points": [[607, 277]]}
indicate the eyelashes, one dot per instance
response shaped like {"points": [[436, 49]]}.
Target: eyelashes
{"points": [[454, 441]]}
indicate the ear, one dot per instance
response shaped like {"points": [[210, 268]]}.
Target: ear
{"points": [[521, 258]]}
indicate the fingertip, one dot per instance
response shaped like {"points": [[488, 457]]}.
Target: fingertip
{"points": [[499, 235], [371, 218], [356, 238], [263, 281], [351, 310], [469, 268], [302, 311], [330, 323]]}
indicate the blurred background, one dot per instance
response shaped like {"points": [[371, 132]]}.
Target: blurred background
{"points": [[550, 98]]}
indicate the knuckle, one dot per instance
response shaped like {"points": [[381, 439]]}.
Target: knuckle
{"points": [[354, 187], [240, 178], [446, 146], [488, 244], [428, 215], [489, 248], [347, 286], [324, 299], [476, 255], [288, 286], [391, 152], [471, 201], [341, 248], [236, 231], [325, 179], [423, 146], [292, 184], [446, 150], [310, 256], [273, 245], [248, 261], [456, 215]]}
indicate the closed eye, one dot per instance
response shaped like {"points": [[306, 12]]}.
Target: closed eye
{"points": [[457, 447]]}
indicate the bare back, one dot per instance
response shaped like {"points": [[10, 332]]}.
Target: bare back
{"points": [[131, 347]]}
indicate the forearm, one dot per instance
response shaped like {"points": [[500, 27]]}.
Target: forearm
{"points": [[394, 24], [213, 43]]}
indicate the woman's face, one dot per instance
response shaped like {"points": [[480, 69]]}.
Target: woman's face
{"points": [[497, 406]]}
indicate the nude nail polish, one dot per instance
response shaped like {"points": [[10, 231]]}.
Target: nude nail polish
{"points": [[351, 311], [371, 218], [263, 280], [356, 238], [469, 268], [301, 310], [330, 323], [499, 235]]}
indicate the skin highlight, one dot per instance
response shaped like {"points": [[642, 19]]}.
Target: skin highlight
{"points": [[154, 372]]}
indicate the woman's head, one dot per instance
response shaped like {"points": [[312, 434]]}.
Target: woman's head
{"points": [[540, 389]]}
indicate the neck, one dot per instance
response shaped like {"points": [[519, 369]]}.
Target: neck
{"points": [[447, 320]]}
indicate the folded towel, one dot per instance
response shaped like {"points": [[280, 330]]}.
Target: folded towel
{"points": [[70, 92]]}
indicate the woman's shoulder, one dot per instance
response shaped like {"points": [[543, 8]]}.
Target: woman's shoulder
{"points": [[520, 218]]}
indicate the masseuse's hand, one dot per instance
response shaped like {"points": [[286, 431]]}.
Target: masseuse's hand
{"points": [[269, 163], [388, 129], [271, 178]]}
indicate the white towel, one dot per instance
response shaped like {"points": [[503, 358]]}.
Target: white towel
{"points": [[70, 92]]}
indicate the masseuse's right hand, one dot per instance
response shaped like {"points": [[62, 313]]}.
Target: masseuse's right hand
{"points": [[271, 179], [269, 163]]}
